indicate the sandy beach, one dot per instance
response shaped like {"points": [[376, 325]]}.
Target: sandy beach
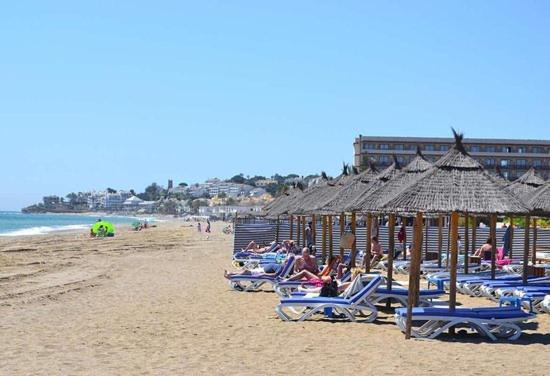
{"points": [[155, 302]]}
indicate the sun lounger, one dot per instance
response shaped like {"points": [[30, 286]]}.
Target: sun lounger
{"points": [[250, 282], [400, 295], [495, 323], [286, 288], [546, 304], [354, 302]]}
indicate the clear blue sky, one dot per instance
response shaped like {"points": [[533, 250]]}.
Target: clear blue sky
{"points": [[123, 93]]}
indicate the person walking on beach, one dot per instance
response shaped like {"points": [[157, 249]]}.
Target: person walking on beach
{"points": [[376, 252], [199, 227], [207, 226]]}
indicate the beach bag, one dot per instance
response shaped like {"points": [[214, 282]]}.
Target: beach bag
{"points": [[329, 289]]}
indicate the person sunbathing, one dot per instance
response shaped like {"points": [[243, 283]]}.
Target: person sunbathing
{"points": [[486, 250], [252, 247], [319, 278], [253, 272]]}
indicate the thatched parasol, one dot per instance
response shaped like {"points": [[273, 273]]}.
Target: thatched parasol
{"points": [[351, 190], [388, 188], [526, 185], [540, 202], [282, 206], [319, 192], [456, 183]]}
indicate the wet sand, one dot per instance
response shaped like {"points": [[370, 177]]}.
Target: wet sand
{"points": [[155, 302]]}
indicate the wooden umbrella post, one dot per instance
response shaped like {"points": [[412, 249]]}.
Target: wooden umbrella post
{"points": [[511, 239], [454, 260], [291, 227], [414, 276], [404, 220], [448, 245], [298, 231], [354, 244], [493, 235], [535, 233], [330, 237], [366, 260], [526, 249], [474, 234], [313, 229], [391, 250], [439, 239], [324, 237], [425, 240], [304, 240], [342, 228], [277, 231], [466, 242]]}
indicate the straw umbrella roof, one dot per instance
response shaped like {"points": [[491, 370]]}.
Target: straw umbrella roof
{"points": [[540, 202], [391, 187], [282, 196], [456, 183], [359, 189], [282, 206], [526, 185], [355, 185], [319, 192], [334, 188]]}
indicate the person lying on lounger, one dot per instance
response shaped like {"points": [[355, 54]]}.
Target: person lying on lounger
{"points": [[319, 278], [252, 247], [253, 272]]}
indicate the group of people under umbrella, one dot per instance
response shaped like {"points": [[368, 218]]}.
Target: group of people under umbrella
{"points": [[455, 185]]}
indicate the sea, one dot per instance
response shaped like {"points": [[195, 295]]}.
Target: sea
{"points": [[21, 224]]}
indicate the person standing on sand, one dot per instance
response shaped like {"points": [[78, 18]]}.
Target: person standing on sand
{"points": [[309, 235], [207, 226], [199, 227]]}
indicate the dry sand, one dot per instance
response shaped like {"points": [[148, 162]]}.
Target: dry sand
{"points": [[155, 302]]}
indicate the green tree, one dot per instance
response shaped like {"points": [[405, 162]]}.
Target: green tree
{"points": [[238, 179]]}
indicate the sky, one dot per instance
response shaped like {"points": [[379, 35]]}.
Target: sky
{"points": [[124, 93]]}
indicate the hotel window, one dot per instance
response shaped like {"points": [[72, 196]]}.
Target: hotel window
{"points": [[506, 149], [398, 147], [490, 162], [537, 150], [522, 149], [504, 163], [444, 147], [537, 163], [384, 159], [384, 147], [521, 163], [475, 148], [369, 146], [401, 159], [429, 148], [490, 149], [505, 174]]}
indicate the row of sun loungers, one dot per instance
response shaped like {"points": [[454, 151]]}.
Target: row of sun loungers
{"points": [[300, 300]]}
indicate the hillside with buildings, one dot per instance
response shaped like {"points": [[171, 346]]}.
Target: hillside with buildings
{"points": [[214, 198]]}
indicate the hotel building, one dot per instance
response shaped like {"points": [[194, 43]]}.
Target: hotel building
{"points": [[514, 157]]}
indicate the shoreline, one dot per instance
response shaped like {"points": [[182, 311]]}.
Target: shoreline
{"points": [[77, 228]]}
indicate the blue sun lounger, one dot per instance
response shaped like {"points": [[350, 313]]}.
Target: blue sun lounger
{"points": [[355, 303], [251, 282], [493, 322]]}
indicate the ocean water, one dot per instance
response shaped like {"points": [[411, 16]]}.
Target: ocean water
{"points": [[20, 224]]}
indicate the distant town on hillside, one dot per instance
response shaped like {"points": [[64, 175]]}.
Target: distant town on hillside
{"points": [[214, 198]]}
